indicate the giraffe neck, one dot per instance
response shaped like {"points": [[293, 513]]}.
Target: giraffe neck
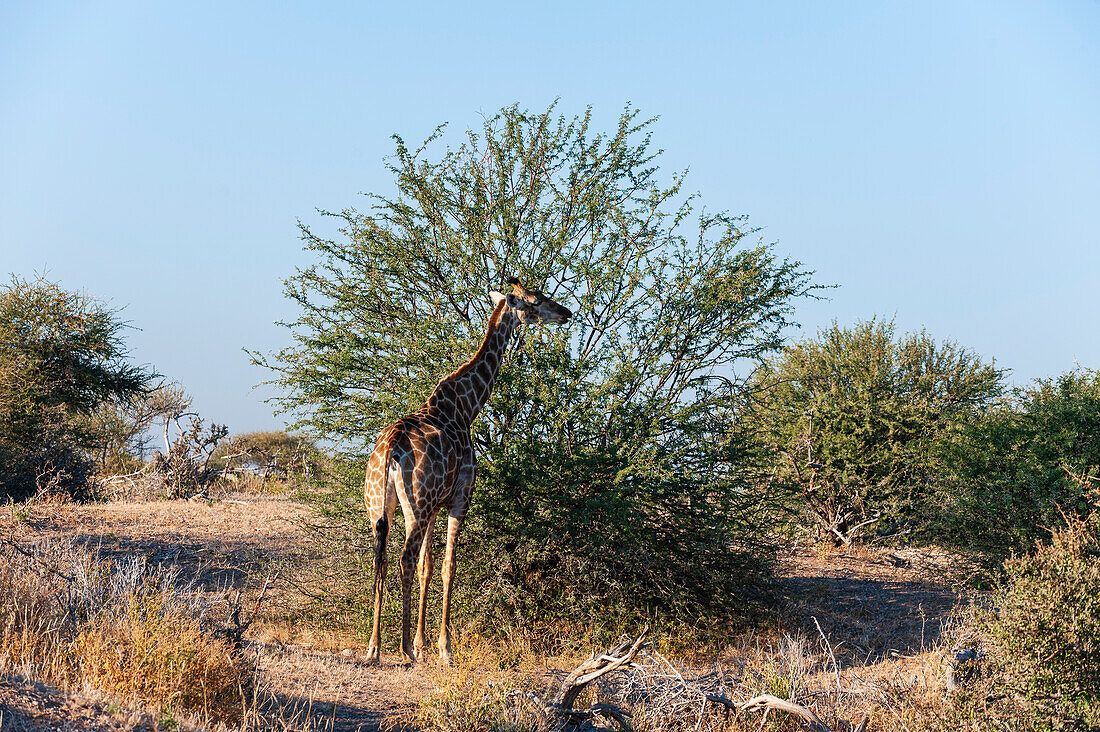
{"points": [[465, 392]]}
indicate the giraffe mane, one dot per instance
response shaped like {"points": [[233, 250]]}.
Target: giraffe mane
{"points": [[494, 321]]}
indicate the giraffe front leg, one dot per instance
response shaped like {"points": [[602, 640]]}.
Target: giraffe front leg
{"points": [[425, 570], [454, 523], [413, 541]]}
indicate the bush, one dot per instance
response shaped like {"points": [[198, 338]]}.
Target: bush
{"points": [[854, 417], [612, 481], [262, 458], [1011, 475], [186, 470], [1042, 626], [61, 358]]}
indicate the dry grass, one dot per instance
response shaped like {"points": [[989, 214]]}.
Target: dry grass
{"points": [[161, 654], [118, 627], [309, 674], [665, 695], [473, 694]]}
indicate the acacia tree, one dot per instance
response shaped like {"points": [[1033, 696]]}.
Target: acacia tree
{"points": [[609, 465], [61, 357], [855, 419], [1024, 468]]}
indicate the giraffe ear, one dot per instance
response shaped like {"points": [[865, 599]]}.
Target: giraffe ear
{"points": [[497, 297]]}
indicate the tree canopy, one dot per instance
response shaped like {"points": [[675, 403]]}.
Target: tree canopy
{"points": [[62, 356], [855, 418], [609, 455]]}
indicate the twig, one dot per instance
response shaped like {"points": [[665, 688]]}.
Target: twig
{"points": [[38, 559], [667, 663], [829, 648]]}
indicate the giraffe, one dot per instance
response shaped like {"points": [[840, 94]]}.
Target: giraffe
{"points": [[426, 462]]}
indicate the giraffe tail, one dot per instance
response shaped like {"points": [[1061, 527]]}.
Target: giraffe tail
{"points": [[381, 536], [382, 525]]}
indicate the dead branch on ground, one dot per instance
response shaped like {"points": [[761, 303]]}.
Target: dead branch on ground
{"points": [[559, 715], [671, 699]]}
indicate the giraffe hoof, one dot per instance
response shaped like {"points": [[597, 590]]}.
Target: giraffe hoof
{"points": [[373, 658]]}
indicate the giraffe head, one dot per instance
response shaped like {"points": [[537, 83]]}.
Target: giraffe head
{"points": [[531, 306]]}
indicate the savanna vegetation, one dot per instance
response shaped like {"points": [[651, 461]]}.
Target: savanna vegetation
{"points": [[62, 357], [624, 419], [855, 421], [75, 620], [644, 465], [1023, 469], [80, 422]]}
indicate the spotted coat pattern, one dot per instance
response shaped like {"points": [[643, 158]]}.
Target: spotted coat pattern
{"points": [[426, 462]]}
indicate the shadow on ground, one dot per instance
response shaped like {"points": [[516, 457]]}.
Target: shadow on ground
{"points": [[221, 565], [295, 712], [868, 619], [358, 695]]}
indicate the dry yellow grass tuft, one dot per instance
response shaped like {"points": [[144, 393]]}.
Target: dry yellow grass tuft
{"points": [[473, 694], [160, 653]]}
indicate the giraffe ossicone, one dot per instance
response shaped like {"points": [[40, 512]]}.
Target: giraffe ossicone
{"points": [[426, 462]]}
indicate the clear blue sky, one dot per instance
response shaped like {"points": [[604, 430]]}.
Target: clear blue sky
{"points": [[938, 161]]}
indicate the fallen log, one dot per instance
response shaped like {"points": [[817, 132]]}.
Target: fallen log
{"points": [[621, 656]]}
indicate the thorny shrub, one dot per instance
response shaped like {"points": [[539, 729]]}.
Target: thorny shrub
{"points": [[622, 419], [62, 355], [186, 469], [1013, 473], [1043, 627], [853, 418]]}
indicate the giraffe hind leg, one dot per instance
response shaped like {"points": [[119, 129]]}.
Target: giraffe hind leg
{"points": [[425, 573], [413, 541], [454, 524], [381, 537]]}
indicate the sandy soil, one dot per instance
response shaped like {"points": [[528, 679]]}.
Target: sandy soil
{"points": [[26, 706], [872, 605]]}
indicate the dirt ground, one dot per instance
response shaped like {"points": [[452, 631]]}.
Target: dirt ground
{"points": [[871, 605]]}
